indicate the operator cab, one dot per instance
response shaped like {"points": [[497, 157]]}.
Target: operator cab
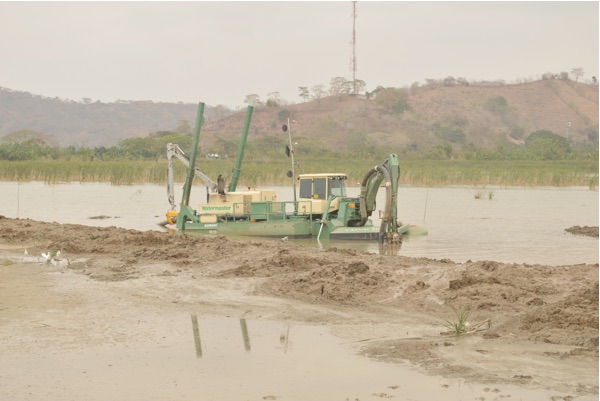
{"points": [[315, 190]]}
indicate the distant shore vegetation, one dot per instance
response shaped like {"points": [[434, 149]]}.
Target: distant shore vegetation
{"points": [[542, 159]]}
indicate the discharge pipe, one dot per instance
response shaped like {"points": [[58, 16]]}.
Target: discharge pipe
{"points": [[190, 171], [235, 173]]}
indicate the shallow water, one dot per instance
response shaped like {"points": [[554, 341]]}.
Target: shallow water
{"points": [[516, 225], [265, 361]]}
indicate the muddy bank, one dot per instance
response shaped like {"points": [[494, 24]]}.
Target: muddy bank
{"points": [[585, 230], [392, 308]]}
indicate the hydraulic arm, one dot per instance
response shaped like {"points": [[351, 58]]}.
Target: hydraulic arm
{"points": [[175, 151], [388, 173]]}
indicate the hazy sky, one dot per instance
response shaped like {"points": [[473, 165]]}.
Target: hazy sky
{"points": [[219, 52]]}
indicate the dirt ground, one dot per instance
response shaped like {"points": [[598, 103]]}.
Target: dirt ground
{"points": [[543, 320]]}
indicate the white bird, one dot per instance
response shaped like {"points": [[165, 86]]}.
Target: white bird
{"points": [[284, 239], [46, 257]]}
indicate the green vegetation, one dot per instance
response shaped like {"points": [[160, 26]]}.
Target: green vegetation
{"points": [[546, 159], [461, 325], [273, 172]]}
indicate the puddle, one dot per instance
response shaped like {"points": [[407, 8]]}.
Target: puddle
{"points": [[190, 357]]}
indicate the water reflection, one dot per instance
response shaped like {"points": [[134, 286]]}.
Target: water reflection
{"points": [[196, 332], [267, 364], [389, 249], [198, 341], [245, 335]]}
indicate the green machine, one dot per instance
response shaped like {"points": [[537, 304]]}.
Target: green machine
{"points": [[320, 209]]}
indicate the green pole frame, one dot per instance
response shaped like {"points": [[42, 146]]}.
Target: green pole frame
{"points": [[190, 171], [235, 173]]}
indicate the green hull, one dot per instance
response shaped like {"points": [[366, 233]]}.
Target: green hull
{"points": [[288, 228], [291, 228]]}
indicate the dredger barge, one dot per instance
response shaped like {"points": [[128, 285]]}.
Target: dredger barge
{"points": [[321, 207]]}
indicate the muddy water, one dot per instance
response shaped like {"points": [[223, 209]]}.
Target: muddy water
{"points": [[505, 224], [192, 357]]}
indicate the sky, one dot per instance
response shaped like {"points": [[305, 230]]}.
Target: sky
{"points": [[218, 52]]}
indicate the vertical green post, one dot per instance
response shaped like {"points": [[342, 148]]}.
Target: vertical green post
{"points": [[190, 171], [235, 173]]}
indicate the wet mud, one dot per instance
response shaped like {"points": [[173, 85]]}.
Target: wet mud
{"points": [[543, 331]]}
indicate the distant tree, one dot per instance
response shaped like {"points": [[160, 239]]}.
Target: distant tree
{"points": [[594, 80], [497, 105], [183, 128], [337, 86], [252, 100], [273, 99], [303, 93], [29, 137], [449, 134], [548, 75], [440, 152], [394, 100], [450, 81], [225, 146], [563, 76], [318, 91], [376, 91], [547, 145], [221, 111], [414, 87], [517, 133], [359, 86], [577, 73], [283, 115]]}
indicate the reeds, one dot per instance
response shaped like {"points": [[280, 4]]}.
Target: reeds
{"points": [[261, 172]]}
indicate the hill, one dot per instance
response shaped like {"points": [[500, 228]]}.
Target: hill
{"points": [[418, 118]]}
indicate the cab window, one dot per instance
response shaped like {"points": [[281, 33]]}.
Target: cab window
{"points": [[306, 189], [337, 187], [320, 190]]}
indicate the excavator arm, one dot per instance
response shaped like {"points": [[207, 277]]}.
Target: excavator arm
{"points": [[174, 151], [388, 173]]}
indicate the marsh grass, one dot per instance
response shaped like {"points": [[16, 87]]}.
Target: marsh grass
{"points": [[460, 325], [273, 172]]}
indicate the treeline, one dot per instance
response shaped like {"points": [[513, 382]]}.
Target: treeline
{"points": [[540, 145]]}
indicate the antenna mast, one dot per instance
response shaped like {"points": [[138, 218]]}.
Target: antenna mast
{"points": [[354, 48]]}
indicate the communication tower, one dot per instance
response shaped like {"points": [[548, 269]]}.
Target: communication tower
{"points": [[353, 62]]}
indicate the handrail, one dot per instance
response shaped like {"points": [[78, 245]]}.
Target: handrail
{"points": [[269, 214]]}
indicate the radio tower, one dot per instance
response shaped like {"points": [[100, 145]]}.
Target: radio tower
{"points": [[353, 63]]}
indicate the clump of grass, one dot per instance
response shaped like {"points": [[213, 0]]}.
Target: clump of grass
{"points": [[460, 325], [6, 262]]}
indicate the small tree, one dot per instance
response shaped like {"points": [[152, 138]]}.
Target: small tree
{"points": [[547, 145], [394, 100], [577, 73], [30, 137], [303, 93], [337, 86], [318, 91], [252, 100]]}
